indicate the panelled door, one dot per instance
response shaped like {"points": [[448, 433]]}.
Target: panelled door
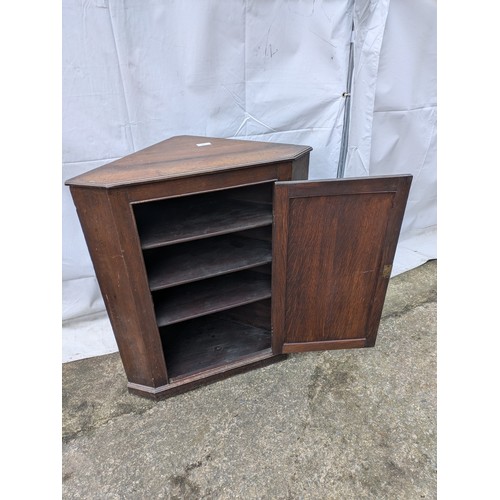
{"points": [[333, 247]]}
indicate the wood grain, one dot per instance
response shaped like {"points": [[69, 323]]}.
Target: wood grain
{"points": [[327, 268], [167, 223], [187, 262], [198, 219], [207, 376], [215, 294], [323, 345], [109, 231], [109, 202], [257, 314], [208, 342], [181, 156]]}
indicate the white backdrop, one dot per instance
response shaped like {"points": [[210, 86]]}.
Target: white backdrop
{"points": [[136, 72], [404, 122]]}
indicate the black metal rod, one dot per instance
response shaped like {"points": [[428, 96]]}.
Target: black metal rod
{"points": [[347, 111]]}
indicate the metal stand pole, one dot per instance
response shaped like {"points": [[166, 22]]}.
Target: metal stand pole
{"points": [[347, 110]]}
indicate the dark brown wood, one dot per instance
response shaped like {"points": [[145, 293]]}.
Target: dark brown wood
{"points": [[164, 223], [300, 168], [257, 314], [208, 376], [392, 235], [107, 225], [215, 294], [260, 233], [257, 193], [145, 178], [231, 172], [207, 258], [279, 275], [180, 237], [208, 342], [332, 240], [185, 156], [323, 345], [208, 182]]}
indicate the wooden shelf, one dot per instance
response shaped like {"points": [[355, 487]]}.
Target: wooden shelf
{"points": [[192, 261], [188, 301], [183, 220], [209, 342]]}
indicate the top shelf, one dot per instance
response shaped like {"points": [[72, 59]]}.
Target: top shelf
{"points": [[201, 222], [177, 220]]}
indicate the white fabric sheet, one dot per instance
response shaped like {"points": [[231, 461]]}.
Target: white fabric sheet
{"points": [[135, 73], [404, 122]]}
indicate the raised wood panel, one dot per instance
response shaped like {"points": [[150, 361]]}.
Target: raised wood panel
{"points": [[328, 293], [332, 241]]}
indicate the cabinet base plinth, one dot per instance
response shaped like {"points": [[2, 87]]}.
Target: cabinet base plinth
{"points": [[206, 377]]}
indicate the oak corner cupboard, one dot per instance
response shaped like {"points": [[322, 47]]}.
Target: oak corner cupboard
{"points": [[215, 256]]}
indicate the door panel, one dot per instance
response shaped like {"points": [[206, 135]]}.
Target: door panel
{"points": [[334, 243]]}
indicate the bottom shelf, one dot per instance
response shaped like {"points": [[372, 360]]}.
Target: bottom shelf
{"points": [[209, 342]]}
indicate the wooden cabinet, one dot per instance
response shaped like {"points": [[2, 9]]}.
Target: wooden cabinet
{"points": [[215, 256]]}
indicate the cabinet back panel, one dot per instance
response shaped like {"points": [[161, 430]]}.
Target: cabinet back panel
{"points": [[259, 233], [257, 314], [209, 342]]}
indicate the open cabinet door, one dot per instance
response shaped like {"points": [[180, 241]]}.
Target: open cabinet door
{"points": [[333, 248]]}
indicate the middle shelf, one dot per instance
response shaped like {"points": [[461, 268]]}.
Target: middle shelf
{"points": [[173, 305], [186, 262]]}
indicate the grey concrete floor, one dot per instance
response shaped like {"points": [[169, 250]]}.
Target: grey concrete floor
{"points": [[354, 424]]}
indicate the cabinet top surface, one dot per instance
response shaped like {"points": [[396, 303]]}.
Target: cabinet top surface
{"points": [[184, 156]]}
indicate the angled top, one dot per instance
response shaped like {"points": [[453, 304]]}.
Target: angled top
{"points": [[183, 156]]}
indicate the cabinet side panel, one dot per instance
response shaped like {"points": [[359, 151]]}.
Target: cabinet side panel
{"points": [[300, 168], [111, 238]]}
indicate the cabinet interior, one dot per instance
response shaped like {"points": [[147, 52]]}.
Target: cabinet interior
{"points": [[208, 259]]}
